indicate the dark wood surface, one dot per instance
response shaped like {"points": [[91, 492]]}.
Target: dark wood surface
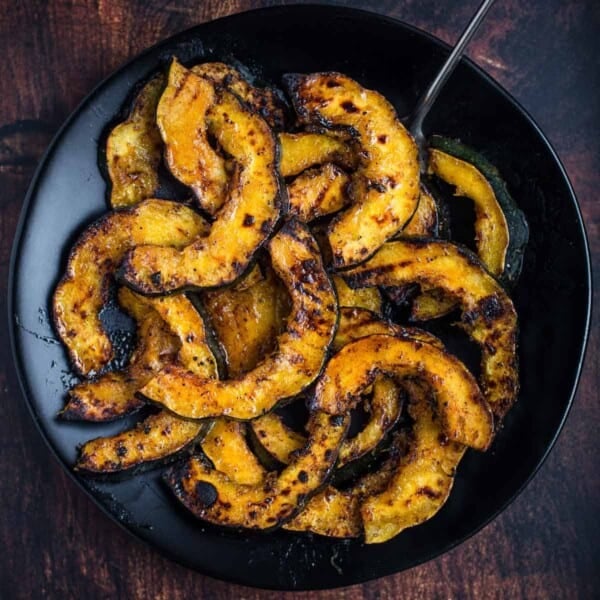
{"points": [[56, 544]]}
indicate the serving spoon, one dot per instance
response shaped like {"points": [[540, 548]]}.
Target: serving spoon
{"points": [[414, 121]]}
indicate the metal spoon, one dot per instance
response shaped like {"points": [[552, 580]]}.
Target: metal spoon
{"points": [[414, 122]]}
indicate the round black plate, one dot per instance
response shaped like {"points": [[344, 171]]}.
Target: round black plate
{"points": [[553, 298]]}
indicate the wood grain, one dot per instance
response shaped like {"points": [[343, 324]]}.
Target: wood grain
{"points": [[56, 544]]}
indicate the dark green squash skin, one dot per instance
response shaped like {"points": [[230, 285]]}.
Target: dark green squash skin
{"points": [[515, 218]]}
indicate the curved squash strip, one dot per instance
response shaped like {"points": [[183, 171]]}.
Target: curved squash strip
{"points": [[150, 442], [264, 101], [182, 118], [113, 394], [83, 290], [241, 226], [161, 435], [491, 229], [368, 298], [318, 192], [247, 321], [225, 445], [336, 513], [488, 314], [518, 229], [213, 496], [133, 150], [300, 151], [423, 479], [301, 349], [185, 322], [280, 441], [425, 220], [385, 188], [465, 414]]}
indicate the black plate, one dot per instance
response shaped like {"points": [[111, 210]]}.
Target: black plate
{"points": [[553, 298]]}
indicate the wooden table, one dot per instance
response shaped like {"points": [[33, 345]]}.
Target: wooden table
{"points": [[57, 544]]}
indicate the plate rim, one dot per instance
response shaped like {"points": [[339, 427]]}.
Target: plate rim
{"points": [[31, 193]]}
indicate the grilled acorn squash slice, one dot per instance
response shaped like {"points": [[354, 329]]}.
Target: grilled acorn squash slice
{"points": [[385, 188], [488, 314], [84, 288], [318, 192], [113, 394], [241, 226], [465, 415], [133, 149], [225, 445], [264, 101], [518, 230], [422, 481], [182, 118], [301, 348], [425, 220], [162, 435], [215, 497], [247, 321], [300, 151], [280, 441]]}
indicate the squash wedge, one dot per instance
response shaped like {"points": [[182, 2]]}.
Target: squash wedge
{"points": [[182, 118], [301, 348], [385, 187], [225, 445], [465, 415], [488, 314], [300, 151], [112, 395], [280, 441], [318, 192], [83, 290], [213, 496], [265, 101], [368, 298], [422, 481], [160, 436], [518, 229], [134, 148], [243, 224]]}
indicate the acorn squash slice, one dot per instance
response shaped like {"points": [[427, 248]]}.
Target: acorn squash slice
{"points": [[318, 192], [243, 224], [112, 395], [225, 445], [160, 436], [213, 496], [279, 441], [300, 151], [134, 148], [488, 314], [265, 101], [464, 413], [518, 229], [301, 348], [385, 187], [83, 290], [368, 298], [423, 478], [182, 119]]}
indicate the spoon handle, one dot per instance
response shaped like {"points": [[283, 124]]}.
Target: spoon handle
{"points": [[428, 98]]}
